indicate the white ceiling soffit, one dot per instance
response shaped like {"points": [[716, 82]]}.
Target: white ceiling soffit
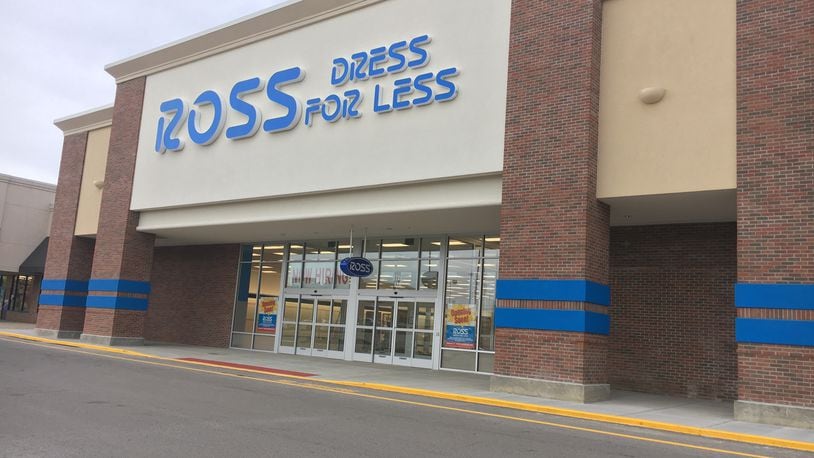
{"points": [[473, 220], [470, 205], [95, 118], [683, 207], [248, 29]]}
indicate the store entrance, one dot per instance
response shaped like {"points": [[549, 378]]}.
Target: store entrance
{"points": [[395, 331], [314, 326]]}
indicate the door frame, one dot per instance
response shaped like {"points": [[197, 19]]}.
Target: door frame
{"points": [[314, 299], [392, 359]]}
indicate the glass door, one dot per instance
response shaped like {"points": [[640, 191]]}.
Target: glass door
{"points": [[374, 331], [395, 331], [413, 337], [329, 328], [314, 326]]}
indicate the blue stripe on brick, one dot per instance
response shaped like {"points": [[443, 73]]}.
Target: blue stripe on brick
{"points": [[119, 285], [554, 290], [778, 332], [62, 300], [774, 296], [59, 284], [553, 320], [118, 303]]}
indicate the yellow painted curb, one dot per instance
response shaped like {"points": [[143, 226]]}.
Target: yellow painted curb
{"points": [[581, 414], [562, 412], [120, 351]]}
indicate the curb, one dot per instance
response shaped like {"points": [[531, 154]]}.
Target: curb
{"points": [[527, 407]]}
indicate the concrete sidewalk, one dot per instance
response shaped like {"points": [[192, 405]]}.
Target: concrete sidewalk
{"points": [[713, 415]]}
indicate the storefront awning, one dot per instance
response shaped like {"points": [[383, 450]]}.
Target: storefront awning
{"points": [[34, 264]]}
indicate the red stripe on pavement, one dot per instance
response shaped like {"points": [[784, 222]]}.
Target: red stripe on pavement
{"points": [[247, 366]]}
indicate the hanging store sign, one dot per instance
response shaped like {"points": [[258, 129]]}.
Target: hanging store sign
{"points": [[179, 118], [356, 267], [460, 326]]}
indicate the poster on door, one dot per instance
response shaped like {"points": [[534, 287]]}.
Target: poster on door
{"points": [[267, 316], [460, 329]]}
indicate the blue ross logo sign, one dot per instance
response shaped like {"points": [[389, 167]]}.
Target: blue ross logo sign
{"points": [[179, 116], [356, 267]]}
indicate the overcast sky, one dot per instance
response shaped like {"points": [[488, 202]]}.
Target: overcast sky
{"points": [[52, 58]]}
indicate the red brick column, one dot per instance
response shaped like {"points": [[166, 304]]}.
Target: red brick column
{"points": [[775, 290], [179, 298], [120, 282], [68, 264], [551, 319]]}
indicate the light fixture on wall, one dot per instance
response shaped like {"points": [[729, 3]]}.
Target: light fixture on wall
{"points": [[99, 183], [651, 95]]}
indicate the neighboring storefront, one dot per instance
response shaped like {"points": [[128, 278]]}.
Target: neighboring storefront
{"points": [[25, 219], [566, 196]]}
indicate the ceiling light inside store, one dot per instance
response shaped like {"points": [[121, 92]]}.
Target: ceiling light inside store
{"points": [[492, 239], [394, 245], [273, 247], [451, 243]]}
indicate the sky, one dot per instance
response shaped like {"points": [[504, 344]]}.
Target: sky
{"points": [[52, 59]]}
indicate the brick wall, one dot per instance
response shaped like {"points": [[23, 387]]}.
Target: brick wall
{"points": [[551, 355], [776, 374], [69, 257], [551, 224], [775, 141], [118, 323], [193, 295], [775, 47], [60, 318], [121, 251], [673, 313]]}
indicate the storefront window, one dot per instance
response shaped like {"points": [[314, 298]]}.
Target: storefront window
{"points": [[14, 289], [246, 304], [403, 263], [294, 276], [258, 294], [265, 323], [465, 247], [295, 289], [469, 303], [316, 265]]}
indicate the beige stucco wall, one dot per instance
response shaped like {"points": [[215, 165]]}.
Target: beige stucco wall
{"points": [[686, 142], [25, 218], [90, 197]]}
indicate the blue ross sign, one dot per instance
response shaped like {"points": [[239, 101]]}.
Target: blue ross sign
{"points": [[413, 90], [356, 267]]}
